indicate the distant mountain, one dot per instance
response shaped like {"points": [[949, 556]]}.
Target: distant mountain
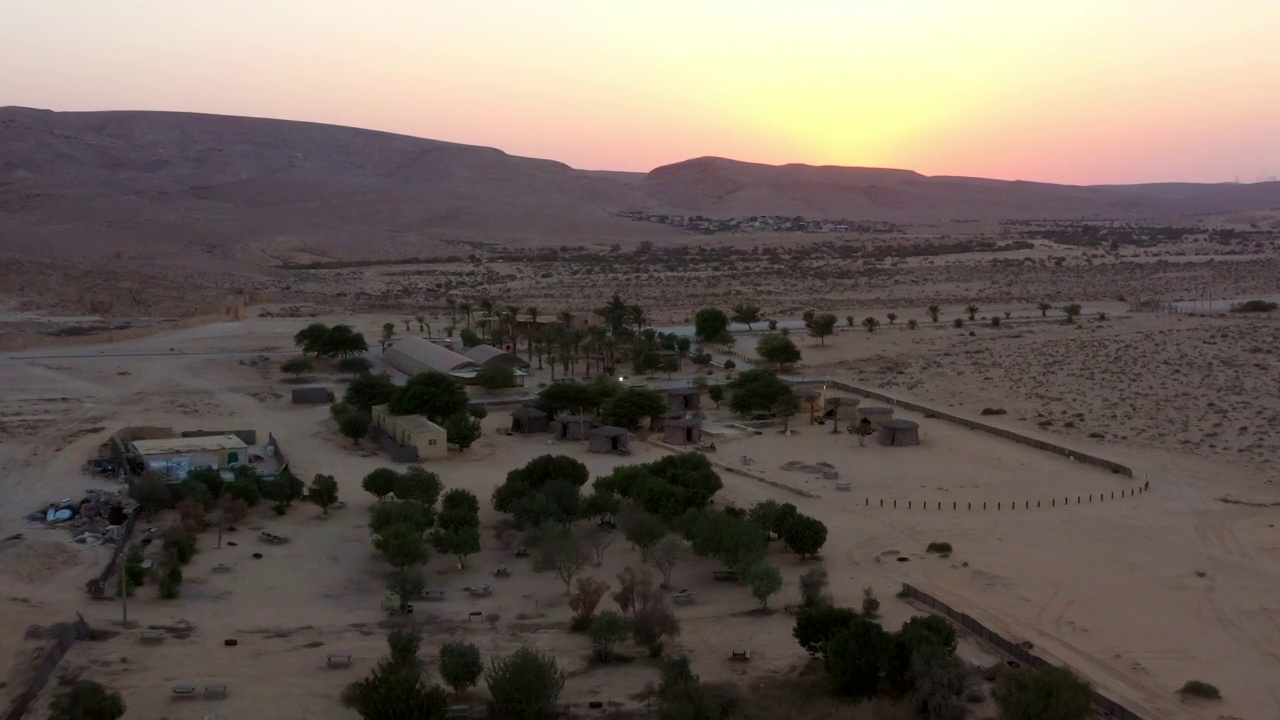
{"points": [[162, 187]]}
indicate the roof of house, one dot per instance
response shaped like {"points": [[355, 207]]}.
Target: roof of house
{"points": [[566, 418], [482, 354], [419, 351], [178, 446], [610, 431], [900, 424], [411, 423], [524, 411]]}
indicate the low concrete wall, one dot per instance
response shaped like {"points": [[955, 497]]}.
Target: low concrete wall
{"points": [[1015, 651], [48, 664], [1005, 433]]}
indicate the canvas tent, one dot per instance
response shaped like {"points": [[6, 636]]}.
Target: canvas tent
{"points": [[608, 438], [529, 420], [682, 431], [842, 407], [875, 415], [898, 433], [573, 427]]}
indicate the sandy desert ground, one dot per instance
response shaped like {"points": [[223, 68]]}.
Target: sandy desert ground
{"points": [[1140, 594]]}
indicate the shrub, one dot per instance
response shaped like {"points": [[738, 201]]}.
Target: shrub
{"points": [[938, 547], [607, 630], [1254, 306], [179, 544], [171, 583], [870, 605], [958, 322], [525, 685], [813, 589], [86, 700], [1199, 689], [1047, 693]]}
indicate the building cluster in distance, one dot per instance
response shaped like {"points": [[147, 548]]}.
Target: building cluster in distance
{"points": [[760, 224]]}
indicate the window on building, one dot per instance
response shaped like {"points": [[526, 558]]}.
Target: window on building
{"points": [[433, 441]]}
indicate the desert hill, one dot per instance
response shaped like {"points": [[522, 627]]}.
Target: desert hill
{"points": [[162, 186]]}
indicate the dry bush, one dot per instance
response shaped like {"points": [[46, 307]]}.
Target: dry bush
{"points": [[584, 602]]}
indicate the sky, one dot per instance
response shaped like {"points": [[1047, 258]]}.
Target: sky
{"points": [[1073, 91]]}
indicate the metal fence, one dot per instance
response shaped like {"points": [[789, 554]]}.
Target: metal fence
{"points": [[1017, 652]]}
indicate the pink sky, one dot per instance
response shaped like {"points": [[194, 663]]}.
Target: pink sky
{"points": [[1084, 92]]}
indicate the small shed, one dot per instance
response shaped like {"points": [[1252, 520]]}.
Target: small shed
{"points": [[682, 431], [529, 420], [314, 395], [573, 427], [684, 399], [658, 422], [608, 438], [842, 408], [899, 433], [874, 415]]}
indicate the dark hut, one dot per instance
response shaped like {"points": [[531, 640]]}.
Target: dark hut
{"points": [[607, 438], [685, 399], [898, 433], [682, 431], [573, 427], [314, 395], [658, 422], [529, 420]]}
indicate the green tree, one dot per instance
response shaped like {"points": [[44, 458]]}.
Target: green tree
{"points": [[406, 585], [856, 658], [526, 685], [297, 367], [496, 376], [870, 323], [765, 580], [1046, 693], [821, 326], [913, 324], [934, 311], [534, 475], [715, 394], [323, 492], [460, 666], [711, 325], [778, 348], [462, 430], [86, 700], [355, 426], [431, 394], [817, 625], [785, 406], [151, 492], [469, 338], [402, 546], [1072, 311], [746, 313], [310, 339], [395, 692], [891, 317], [804, 535], [848, 320], [665, 555], [458, 541], [607, 630], [366, 391], [355, 365], [756, 390], [972, 310], [341, 341], [414, 514], [813, 589], [633, 405], [568, 396], [643, 530], [380, 483], [560, 551], [1044, 308], [419, 484], [389, 332]]}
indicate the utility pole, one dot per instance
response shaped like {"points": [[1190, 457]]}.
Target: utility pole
{"points": [[124, 587]]}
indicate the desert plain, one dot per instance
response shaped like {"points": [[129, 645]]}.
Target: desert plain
{"points": [[1139, 592]]}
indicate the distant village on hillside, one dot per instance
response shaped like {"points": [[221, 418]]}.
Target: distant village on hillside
{"points": [[760, 224]]}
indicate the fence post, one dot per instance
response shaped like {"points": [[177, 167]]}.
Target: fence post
{"points": [[908, 504], [895, 502], [984, 505], [997, 506]]}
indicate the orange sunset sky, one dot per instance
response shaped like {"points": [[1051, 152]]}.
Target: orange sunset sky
{"points": [[1080, 91]]}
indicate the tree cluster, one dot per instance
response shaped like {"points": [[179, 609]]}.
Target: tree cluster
{"points": [[802, 534], [546, 489], [759, 391], [395, 688], [667, 487], [339, 341], [778, 348]]}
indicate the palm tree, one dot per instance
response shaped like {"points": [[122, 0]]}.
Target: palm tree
{"points": [[870, 323], [934, 311], [422, 321], [532, 312], [848, 320], [465, 308], [614, 312], [637, 316], [1044, 308], [892, 317], [453, 310], [1071, 311], [972, 310], [566, 318]]}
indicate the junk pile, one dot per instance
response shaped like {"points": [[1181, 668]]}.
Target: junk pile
{"points": [[95, 518]]}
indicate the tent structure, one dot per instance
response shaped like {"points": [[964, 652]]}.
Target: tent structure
{"points": [[658, 422], [607, 438], [313, 395], [529, 420], [842, 408], [682, 431], [898, 433], [684, 399], [573, 427]]}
